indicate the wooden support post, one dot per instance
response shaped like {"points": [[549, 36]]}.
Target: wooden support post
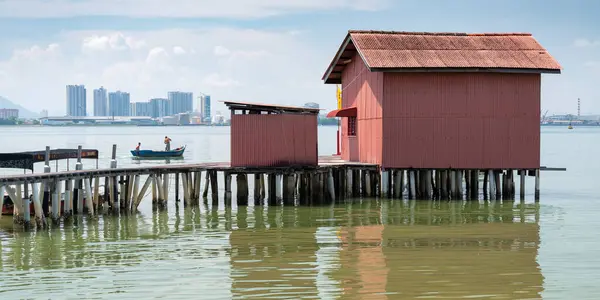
{"points": [[436, 183], [165, 199], [349, 182], [537, 185], [114, 187], [412, 185], [263, 188], [257, 189], [330, 185], [459, 185], [485, 184], [25, 206], [16, 196], [522, 185], [289, 187], [492, 179], [214, 187], [272, 189], [89, 197], [197, 185], [56, 201], [186, 198], [368, 183], [279, 187], [241, 180], [474, 184], [154, 190], [38, 193], [444, 184], [498, 182], [177, 175], [227, 180], [385, 184], [468, 184], [96, 193], [505, 195], [397, 187], [356, 182], [428, 185], [2, 191], [67, 209], [134, 193], [206, 184]]}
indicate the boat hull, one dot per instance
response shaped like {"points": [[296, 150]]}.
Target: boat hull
{"points": [[152, 153]]}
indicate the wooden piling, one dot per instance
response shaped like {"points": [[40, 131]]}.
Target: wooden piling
{"points": [[214, 187], [289, 185], [227, 180], [89, 197], [56, 202], [272, 190], [67, 202], [485, 184], [445, 187], [492, 183], [257, 189], [206, 185], [38, 193], [459, 185], [241, 180], [497, 181], [177, 175], [96, 193], [522, 185], [356, 183], [197, 185], [413, 185], [537, 185]]}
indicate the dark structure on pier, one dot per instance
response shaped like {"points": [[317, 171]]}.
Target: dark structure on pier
{"points": [[440, 100], [265, 135]]}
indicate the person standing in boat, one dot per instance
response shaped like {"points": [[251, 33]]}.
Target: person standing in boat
{"points": [[167, 143], [137, 148]]}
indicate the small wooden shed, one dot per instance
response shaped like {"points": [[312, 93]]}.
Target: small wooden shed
{"points": [[265, 135]]}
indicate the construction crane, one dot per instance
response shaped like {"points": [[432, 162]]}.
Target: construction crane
{"points": [[544, 116]]}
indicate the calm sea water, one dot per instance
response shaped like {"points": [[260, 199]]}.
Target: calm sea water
{"points": [[369, 249]]}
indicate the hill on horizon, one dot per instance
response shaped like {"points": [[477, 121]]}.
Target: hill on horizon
{"points": [[23, 112]]}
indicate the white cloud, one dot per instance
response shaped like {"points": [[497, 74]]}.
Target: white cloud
{"points": [[221, 51], [179, 51], [176, 8], [581, 43], [242, 64]]}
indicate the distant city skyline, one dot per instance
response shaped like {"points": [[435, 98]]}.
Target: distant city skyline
{"points": [[118, 103]]}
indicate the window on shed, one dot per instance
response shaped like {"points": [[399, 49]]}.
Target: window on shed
{"points": [[351, 126]]}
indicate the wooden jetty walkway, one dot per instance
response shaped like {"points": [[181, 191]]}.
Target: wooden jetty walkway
{"points": [[60, 195]]}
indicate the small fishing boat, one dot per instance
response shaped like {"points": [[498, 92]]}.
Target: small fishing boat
{"points": [[178, 152]]}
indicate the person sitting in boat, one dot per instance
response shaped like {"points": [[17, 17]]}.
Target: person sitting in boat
{"points": [[167, 143]]}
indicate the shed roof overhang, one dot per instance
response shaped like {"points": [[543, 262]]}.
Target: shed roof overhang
{"points": [[342, 113]]}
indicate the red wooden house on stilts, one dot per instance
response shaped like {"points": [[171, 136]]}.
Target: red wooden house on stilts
{"points": [[441, 101]]}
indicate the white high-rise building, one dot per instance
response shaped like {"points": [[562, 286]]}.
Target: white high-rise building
{"points": [[100, 102], [119, 104], [76, 101], [181, 102]]}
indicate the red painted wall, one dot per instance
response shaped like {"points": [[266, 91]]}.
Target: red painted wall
{"points": [[364, 90], [274, 140], [461, 120]]}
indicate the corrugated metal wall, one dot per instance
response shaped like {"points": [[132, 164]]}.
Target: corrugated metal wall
{"points": [[461, 120], [364, 90], [274, 140]]}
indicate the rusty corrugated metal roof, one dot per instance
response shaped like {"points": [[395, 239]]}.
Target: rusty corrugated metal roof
{"points": [[414, 51]]}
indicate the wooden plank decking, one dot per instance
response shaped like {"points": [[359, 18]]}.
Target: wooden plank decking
{"points": [[325, 162]]}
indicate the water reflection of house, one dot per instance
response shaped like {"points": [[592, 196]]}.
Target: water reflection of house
{"points": [[483, 253]]}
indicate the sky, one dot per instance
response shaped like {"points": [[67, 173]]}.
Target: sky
{"points": [[269, 51]]}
